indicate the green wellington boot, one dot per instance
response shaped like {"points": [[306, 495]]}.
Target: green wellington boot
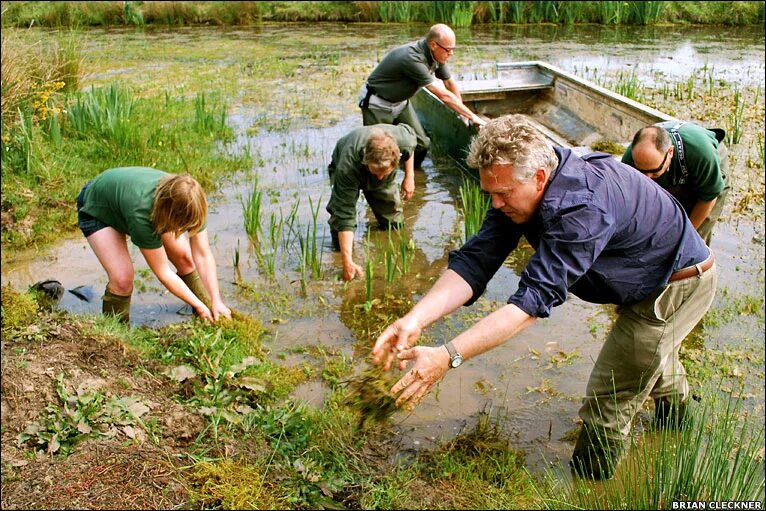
{"points": [[596, 455], [194, 282], [669, 413], [116, 305]]}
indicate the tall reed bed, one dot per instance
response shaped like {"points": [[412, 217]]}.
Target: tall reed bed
{"points": [[397, 12], [734, 120], [474, 204], [717, 456]]}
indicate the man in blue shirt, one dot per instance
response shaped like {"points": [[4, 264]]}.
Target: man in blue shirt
{"points": [[600, 230]]}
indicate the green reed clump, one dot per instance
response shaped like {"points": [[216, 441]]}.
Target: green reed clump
{"points": [[717, 456], [734, 121], [104, 113], [610, 12], [474, 204], [209, 116], [456, 14], [629, 85], [266, 247], [396, 12], [252, 211], [644, 13], [310, 248], [544, 12]]}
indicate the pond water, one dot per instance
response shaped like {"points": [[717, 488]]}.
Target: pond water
{"points": [[535, 381]]}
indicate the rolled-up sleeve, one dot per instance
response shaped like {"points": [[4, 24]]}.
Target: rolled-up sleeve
{"points": [[481, 256], [566, 251]]}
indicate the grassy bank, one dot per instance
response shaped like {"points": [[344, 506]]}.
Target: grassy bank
{"points": [[204, 417], [457, 13]]}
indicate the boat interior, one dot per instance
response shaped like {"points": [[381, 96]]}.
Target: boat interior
{"points": [[569, 111]]}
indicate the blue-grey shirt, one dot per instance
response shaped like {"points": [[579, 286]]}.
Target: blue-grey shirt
{"points": [[602, 231]]}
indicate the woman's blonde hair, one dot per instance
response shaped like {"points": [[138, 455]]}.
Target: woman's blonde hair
{"points": [[179, 206], [381, 148]]}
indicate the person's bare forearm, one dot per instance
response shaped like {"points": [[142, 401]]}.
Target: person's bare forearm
{"points": [[451, 86], [446, 295], [346, 242], [700, 212], [492, 331]]}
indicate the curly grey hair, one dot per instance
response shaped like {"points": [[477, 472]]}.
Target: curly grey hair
{"points": [[512, 140]]}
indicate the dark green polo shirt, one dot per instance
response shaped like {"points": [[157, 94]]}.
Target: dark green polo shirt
{"points": [[404, 70], [705, 180]]}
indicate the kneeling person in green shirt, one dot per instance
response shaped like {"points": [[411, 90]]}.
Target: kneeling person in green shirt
{"points": [[366, 160], [154, 208]]}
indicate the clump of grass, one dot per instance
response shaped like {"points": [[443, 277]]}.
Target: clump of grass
{"points": [[734, 121], [104, 113], [397, 12], [234, 484]]}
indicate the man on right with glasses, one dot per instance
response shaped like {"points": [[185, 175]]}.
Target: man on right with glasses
{"points": [[690, 162], [384, 98]]}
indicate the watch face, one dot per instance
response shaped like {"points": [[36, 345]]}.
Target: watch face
{"points": [[456, 361]]}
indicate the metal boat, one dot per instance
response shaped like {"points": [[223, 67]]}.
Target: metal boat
{"points": [[570, 111]]}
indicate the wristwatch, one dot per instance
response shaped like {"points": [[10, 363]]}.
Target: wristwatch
{"points": [[455, 358]]}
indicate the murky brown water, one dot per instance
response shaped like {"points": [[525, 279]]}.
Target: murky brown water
{"points": [[536, 379]]}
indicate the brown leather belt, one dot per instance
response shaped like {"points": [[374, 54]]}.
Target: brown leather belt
{"points": [[693, 271]]}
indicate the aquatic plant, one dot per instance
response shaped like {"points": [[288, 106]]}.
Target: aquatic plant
{"points": [[717, 456], [734, 121], [252, 211], [474, 204], [397, 12], [369, 395], [644, 13], [610, 12], [105, 113], [206, 119], [629, 85]]}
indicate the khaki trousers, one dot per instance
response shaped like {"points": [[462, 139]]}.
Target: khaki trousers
{"points": [[640, 356]]}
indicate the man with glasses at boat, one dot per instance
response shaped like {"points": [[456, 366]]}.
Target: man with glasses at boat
{"points": [[688, 161], [384, 98], [601, 231]]}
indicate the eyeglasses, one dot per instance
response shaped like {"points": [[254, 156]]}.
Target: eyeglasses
{"points": [[448, 50], [654, 171]]}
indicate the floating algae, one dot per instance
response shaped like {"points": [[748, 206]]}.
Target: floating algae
{"points": [[608, 146]]}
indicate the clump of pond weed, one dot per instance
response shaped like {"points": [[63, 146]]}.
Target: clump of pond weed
{"points": [[369, 394], [608, 146]]}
